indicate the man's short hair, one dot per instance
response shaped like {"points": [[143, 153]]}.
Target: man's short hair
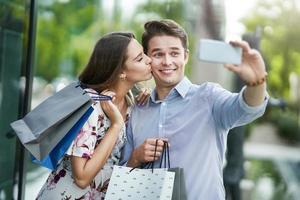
{"points": [[163, 27]]}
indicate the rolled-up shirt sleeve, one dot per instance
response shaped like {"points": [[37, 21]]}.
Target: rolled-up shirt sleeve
{"points": [[252, 109], [230, 109]]}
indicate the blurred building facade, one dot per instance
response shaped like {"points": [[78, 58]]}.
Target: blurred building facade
{"points": [[15, 93], [209, 23]]}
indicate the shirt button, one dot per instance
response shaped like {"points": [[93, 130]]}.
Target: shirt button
{"points": [[163, 104], [160, 125]]}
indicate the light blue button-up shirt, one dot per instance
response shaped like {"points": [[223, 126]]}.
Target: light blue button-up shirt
{"points": [[196, 120]]}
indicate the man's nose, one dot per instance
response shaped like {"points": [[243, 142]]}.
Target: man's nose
{"points": [[167, 60]]}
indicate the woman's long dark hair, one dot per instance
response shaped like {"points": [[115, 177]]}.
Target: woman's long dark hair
{"points": [[106, 61]]}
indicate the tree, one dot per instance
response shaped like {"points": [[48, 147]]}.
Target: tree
{"points": [[281, 49], [280, 41], [58, 26], [67, 32]]}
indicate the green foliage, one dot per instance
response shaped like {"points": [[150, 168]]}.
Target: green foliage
{"points": [[280, 45], [266, 172], [280, 42], [287, 124], [265, 168], [57, 23], [164, 9], [67, 32]]}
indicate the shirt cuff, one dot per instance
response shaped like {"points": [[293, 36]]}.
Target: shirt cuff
{"points": [[252, 109]]}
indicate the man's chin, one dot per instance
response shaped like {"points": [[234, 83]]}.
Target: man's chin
{"points": [[167, 83]]}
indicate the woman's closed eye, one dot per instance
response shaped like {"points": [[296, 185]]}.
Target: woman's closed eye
{"points": [[140, 59]]}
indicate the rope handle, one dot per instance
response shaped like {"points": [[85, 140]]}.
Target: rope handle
{"points": [[99, 97], [165, 158]]}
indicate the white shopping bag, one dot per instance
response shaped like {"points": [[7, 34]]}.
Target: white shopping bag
{"points": [[140, 184]]}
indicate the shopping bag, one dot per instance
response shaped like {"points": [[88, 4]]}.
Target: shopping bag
{"points": [[51, 160], [179, 189], [130, 184], [42, 128]]}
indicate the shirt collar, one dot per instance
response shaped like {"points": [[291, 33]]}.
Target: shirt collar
{"points": [[182, 88]]}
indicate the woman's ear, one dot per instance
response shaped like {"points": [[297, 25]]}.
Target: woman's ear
{"points": [[122, 76]]}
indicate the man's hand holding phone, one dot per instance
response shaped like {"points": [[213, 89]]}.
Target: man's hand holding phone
{"points": [[238, 57], [216, 51]]}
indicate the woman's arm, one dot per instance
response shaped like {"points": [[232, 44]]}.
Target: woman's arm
{"points": [[85, 170]]}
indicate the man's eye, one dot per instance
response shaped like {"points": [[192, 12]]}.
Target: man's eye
{"points": [[140, 59], [157, 55], [174, 53]]}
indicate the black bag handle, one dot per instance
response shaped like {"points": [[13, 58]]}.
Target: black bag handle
{"points": [[165, 156], [148, 165]]}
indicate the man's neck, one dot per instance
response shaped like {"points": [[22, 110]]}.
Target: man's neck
{"points": [[162, 92]]}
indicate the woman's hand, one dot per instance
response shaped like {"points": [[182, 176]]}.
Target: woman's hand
{"points": [[142, 97], [85, 170], [252, 70], [111, 110]]}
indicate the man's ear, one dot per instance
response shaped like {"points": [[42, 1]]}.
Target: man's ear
{"points": [[186, 56]]}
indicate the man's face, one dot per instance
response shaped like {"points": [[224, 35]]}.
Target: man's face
{"points": [[168, 60]]}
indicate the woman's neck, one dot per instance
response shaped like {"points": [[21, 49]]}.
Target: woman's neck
{"points": [[121, 90]]}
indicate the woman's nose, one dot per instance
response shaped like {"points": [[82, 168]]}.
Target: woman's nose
{"points": [[149, 60]]}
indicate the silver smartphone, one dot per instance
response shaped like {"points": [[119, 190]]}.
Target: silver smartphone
{"points": [[216, 51]]}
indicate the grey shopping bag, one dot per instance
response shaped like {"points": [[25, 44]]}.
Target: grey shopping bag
{"points": [[42, 128], [179, 190]]}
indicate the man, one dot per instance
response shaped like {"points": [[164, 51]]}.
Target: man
{"points": [[194, 119]]}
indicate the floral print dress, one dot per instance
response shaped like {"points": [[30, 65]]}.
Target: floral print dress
{"points": [[60, 184]]}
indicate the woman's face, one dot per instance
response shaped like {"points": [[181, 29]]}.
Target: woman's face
{"points": [[137, 66]]}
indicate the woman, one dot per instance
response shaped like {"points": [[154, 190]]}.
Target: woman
{"points": [[116, 64]]}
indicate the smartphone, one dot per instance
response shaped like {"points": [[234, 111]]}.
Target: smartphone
{"points": [[216, 51]]}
